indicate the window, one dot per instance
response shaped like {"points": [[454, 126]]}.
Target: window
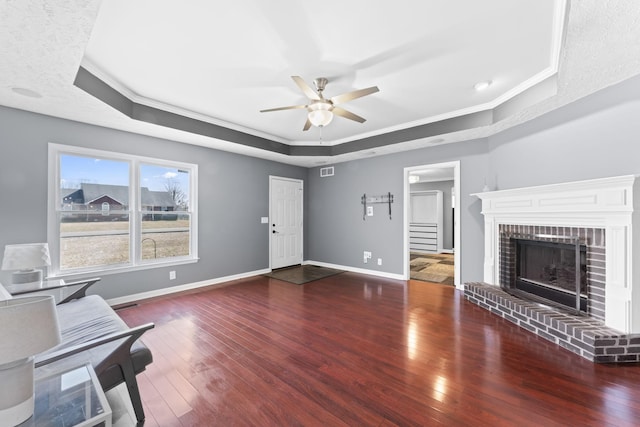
{"points": [[110, 211]]}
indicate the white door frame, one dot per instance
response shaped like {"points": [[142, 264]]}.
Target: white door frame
{"points": [[269, 228], [456, 219]]}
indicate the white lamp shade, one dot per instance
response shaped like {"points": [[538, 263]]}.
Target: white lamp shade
{"points": [[320, 114], [28, 326], [26, 256]]}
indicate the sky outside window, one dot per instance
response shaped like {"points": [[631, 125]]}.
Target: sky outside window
{"points": [[156, 178], [75, 170]]}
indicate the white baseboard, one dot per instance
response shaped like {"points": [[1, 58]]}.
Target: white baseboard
{"points": [[221, 281], [357, 270]]}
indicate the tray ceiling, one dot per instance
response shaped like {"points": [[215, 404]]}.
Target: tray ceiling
{"points": [[200, 74]]}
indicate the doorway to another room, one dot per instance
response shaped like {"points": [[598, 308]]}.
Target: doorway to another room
{"points": [[431, 223]]}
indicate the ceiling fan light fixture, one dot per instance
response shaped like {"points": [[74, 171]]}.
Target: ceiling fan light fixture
{"points": [[320, 109], [320, 114]]}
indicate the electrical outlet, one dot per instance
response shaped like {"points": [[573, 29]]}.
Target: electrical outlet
{"points": [[379, 261], [369, 210], [172, 275]]}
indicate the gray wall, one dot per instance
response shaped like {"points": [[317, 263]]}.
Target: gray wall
{"points": [[597, 136], [233, 193], [338, 235], [447, 220], [594, 137]]}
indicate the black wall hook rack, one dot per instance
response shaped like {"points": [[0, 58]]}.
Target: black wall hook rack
{"points": [[370, 200]]}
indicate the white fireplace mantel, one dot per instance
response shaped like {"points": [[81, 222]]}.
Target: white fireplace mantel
{"points": [[606, 203]]}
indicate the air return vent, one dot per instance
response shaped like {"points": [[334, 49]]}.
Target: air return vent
{"points": [[328, 171]]}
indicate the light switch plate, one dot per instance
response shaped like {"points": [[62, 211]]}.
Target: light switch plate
{"points": [[369, 210], [264, 220]]}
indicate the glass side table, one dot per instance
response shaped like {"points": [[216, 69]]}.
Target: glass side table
{"points": [[71, 397], [60, 290], [18, 289]]}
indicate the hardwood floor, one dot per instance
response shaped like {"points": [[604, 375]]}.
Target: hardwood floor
{"points": [[363, 351]]}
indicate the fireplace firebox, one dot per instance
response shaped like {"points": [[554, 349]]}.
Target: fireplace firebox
{"points": [[550, 269]]}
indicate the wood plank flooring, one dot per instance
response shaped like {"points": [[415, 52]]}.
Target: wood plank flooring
{"points": [[355, 350]]}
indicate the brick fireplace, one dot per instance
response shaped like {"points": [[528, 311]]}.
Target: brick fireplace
{"points": [[598, 215]]}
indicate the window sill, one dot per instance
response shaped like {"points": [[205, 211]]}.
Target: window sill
{"points": [[119, 270]]}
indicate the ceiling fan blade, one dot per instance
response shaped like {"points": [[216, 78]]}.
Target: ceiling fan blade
{"points": [[291, 107], [308, 91], [307, 125], [340, 99], [348, 115]]}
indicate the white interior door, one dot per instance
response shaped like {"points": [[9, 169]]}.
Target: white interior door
{"points": [[285, 216]]}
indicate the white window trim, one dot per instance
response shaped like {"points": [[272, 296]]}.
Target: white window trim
{"points": [[53, 224]]}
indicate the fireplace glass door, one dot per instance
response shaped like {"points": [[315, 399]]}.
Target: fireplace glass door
{"points": [[548, 270]]}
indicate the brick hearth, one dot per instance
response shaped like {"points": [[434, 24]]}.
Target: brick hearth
{"points": [[585, 336]]}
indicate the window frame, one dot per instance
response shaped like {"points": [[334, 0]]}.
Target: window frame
{"points": [[136, 262]]}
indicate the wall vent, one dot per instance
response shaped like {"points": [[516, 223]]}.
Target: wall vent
{"points": [[328, 171]]}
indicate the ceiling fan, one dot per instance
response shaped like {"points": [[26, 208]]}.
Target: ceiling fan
{"points": [[321, 109]]}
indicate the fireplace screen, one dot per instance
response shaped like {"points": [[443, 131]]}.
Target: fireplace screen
{"points": [[548, 270]]}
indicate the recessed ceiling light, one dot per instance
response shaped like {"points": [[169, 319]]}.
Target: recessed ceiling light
{"points": [[482, 85], [26, 92]]}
